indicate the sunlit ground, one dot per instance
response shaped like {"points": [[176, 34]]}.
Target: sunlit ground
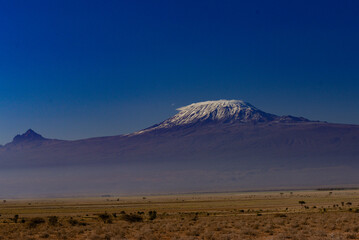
{"points": [[258, 215]]}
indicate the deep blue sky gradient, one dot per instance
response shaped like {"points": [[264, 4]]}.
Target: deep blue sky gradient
{"points": [[77, 69]]}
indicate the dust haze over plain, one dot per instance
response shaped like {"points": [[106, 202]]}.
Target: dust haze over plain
{"points": [[99, 82]]}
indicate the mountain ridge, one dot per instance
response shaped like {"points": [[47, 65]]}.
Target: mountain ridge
{"points": [[241, 148], [215, 111]]}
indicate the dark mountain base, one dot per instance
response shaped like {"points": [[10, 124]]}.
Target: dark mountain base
{"points": [[204, 155]]}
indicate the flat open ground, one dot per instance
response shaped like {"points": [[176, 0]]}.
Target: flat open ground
{"points": [[256, 215]]}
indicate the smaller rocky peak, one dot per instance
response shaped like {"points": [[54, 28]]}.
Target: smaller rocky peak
{"points": [[29, 136]]}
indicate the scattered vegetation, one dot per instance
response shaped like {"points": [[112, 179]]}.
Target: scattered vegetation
{"points": [[272, 216]]}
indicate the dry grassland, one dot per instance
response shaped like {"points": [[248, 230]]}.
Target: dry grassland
{"points": [[265, 215]]}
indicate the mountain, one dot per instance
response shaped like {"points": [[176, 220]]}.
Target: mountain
{"points": [[221, 111], [30, 139], [27, 137], [208, 146]]}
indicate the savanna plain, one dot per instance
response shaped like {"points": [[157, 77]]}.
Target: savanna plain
{"points": [[319, 214]]}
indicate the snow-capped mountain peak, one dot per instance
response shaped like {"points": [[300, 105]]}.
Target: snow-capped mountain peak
{"points": [[220, 111]]}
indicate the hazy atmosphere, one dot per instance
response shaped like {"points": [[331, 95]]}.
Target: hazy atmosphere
{"points": [[179, 119], [79, 69]]}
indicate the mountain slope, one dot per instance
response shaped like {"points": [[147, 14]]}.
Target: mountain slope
{"points": [[218, 145], [28, 136], [221, 111], [29, 140]]}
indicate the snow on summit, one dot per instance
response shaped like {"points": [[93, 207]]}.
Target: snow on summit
{"points": [[221, 110], [225, 111]]}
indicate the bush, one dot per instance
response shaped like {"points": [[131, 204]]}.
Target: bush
{"points": [[73, 222], [152, 215], [16, 217], [53, 220], [36, 221], [105, 217], [195, 217], [132, 217]]}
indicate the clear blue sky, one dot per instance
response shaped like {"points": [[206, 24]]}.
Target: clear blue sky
{"points": [[77, 69]]}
